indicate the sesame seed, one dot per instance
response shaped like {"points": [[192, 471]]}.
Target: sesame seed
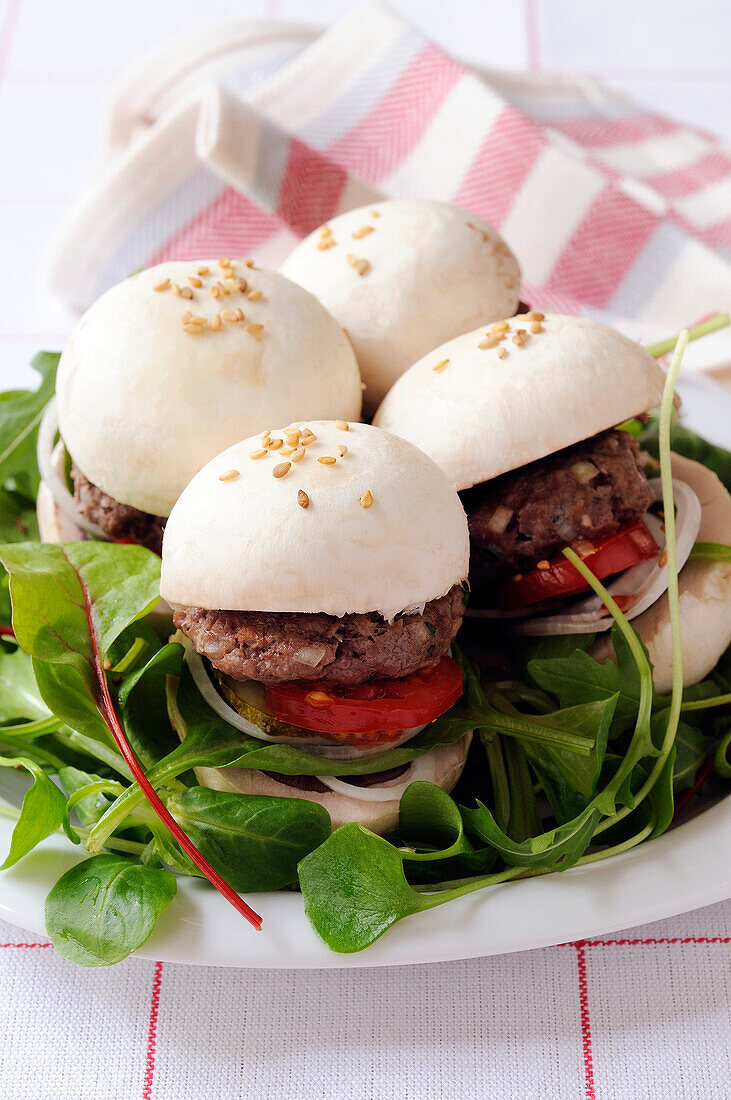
{"points": [[663, 559], [299, 454], [325, 231], [198, 321], [342, 425], [186, 317], [175, 288], [490, 342], [536, 326], [366, 500], [362, 232], [257, 454], [203, 270], [275, 444], [216, 322], [292, 435], [534, 315], [305, 440], [543, 564], [229, 475], [302, 499], [186, 292], [502, 353], [242, 285], [224, 262], [240, 314], [248, 263], [361, 266], [439, 367], [520, 337], [214, 291], [264, 436], [325, 243], [223, 289], [288, 450], [327, 460], [229, 315], [193, 330], [375, 213], [281, 469], [194, 280], [254, 295], [341, 450], [163, 285], [500, 326], [254, 329]]}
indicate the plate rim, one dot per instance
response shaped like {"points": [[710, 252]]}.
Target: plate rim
{"points": [[201, 929]]}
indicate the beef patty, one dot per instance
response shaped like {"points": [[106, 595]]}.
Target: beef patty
{"points": [[121, 522], [582, 493], [273, 647]]}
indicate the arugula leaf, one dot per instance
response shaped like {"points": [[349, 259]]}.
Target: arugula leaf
{"points": [[564, 775], [20, 415], [580, 679], [430, 819], [254, 841], [104, 908], [41, 813], [557, 848], [688, 443]]}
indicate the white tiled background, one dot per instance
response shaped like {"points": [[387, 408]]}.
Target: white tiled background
{"points": [[59, 60]]}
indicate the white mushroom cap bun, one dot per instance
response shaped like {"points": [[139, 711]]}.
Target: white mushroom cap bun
{"points": [[144, 401], [704, 588], [404, 276], [382, 530], [441, 766], [485, 410]]}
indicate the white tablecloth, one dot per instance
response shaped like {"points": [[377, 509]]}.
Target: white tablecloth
{"points": [[640, 1015]]}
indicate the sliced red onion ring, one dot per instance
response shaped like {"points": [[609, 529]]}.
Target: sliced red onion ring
{"points": [[47, 431], [309, 743], [644, 583]]}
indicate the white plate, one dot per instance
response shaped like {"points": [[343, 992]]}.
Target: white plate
{"points": [[672, 874]]}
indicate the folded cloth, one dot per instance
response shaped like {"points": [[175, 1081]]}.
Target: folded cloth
{"points": [[244, 140]]}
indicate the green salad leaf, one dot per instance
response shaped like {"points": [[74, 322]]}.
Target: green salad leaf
{"points": [[20, 416], [41, 812], [105, 907], [254, 841]]}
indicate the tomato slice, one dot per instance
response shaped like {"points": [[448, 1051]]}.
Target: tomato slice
{"points": [[376, 710], [631, 544]]}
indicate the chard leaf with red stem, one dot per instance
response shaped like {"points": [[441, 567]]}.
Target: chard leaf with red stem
{"points": [[70, 602]]}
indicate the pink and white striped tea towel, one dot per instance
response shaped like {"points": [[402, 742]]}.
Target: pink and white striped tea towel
{"points": [[248, 138]]}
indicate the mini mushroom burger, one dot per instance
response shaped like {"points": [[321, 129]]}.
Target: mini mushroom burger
{"points": [[317, 590], [526, 419], [404, 276], [166, 369]]}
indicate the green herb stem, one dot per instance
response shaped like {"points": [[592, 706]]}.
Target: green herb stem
{"points": [[662, 347], [710, 551], [31, 729], [704, 704]]}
